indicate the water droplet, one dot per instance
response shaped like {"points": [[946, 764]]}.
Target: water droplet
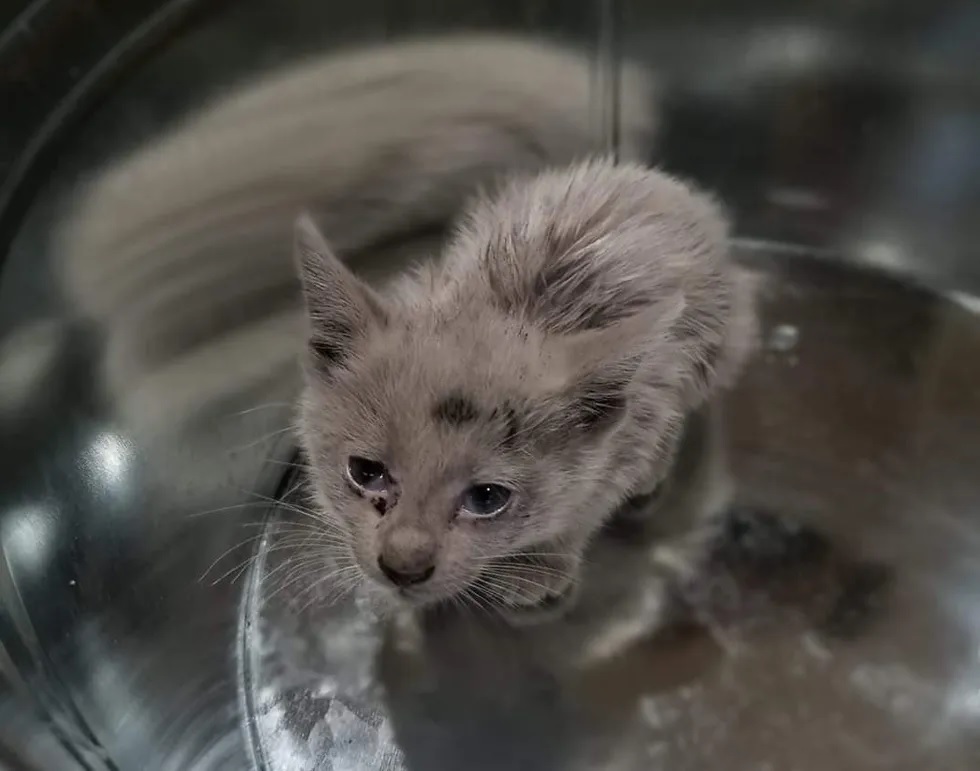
{"points": [[784, 337]]}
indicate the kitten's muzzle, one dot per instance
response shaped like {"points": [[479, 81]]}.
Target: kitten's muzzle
{"points": [[405, 579], [407, 555]]}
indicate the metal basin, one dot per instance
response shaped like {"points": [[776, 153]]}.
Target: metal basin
{"points": [[836, 625], [141, 623]]}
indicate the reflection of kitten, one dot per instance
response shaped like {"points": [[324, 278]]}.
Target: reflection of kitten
{"points": [[471, 427]]}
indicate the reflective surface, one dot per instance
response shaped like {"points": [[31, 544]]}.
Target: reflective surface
{"points": [[836, 624], [839, 133]]}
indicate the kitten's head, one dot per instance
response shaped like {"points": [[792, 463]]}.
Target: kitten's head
{"points": [[508, 396]]}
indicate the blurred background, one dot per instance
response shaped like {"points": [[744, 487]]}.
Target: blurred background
{"points": [[842, 135]]}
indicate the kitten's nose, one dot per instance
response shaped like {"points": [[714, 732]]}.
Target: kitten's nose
{"points": [[408, 556], [399, 578]]}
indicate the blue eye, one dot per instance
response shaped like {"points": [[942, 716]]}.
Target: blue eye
{"points": [[485, 500], [369, 475]]}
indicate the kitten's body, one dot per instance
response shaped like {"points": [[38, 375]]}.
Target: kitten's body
{"points": [[554, 351], [179, 254]]}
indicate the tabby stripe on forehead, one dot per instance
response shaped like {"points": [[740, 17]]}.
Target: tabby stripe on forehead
{"points": [[506, 415], [455, 410], [513, 425]]}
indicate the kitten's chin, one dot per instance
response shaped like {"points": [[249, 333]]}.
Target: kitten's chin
{"points": [[386, 599], [382, 600]]}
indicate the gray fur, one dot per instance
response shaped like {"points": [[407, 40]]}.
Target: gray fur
{"points": [[556, 347], [180, 252]]}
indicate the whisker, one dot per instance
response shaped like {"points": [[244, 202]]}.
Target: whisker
{"points": [[519, 566], [523, 587], [483, 604], [266, 406], [281, 502], [260, 440], [288, 526], [291, 541], [319, 534], [533, 554], [288, 565], [341, 590], [225, 553], [222, 509], [526, 574], [302, 572], [293, 507], [283, 574], [300, 482], [497, 594], [289, 464], [238, 569]]}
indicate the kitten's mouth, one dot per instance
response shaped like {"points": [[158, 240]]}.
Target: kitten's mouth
{"points": [[414, 596]]}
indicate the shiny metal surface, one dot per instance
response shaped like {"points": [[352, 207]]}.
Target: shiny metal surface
{"points": [[841, 134], [851, 645]]}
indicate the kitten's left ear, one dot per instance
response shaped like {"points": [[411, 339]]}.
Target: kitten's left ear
{"points": [[641, 355], [341, 308], [636, 361]]}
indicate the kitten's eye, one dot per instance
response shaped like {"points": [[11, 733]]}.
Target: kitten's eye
{"points": [[485, 500], [369, 475]]}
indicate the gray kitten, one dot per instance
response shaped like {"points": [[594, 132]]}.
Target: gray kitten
{"points": [[474, 424]]}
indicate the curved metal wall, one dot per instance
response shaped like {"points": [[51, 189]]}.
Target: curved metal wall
{"points": [[842, 134]]}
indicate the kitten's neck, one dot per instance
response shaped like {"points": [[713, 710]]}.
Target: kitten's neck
{"points": [[688, 466]]}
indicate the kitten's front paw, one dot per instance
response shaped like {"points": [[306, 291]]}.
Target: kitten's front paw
{"points": [[532, 588], [549, 608]]}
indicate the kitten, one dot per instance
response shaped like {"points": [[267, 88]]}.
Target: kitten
{"points": [[488, 413], [177, 255]]}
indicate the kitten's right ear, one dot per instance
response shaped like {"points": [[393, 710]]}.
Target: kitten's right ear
{"points": [[340, 307]]}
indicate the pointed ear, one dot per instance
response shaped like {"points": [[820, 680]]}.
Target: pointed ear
{"points": [[340, 307], [630, 359], [582, 251]]}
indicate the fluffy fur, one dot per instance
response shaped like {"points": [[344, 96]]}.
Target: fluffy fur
{"points": [[180, 252], [573, 322]]}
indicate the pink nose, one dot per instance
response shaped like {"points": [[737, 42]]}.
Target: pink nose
{"points": [[407, 555], [400, 578]]}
